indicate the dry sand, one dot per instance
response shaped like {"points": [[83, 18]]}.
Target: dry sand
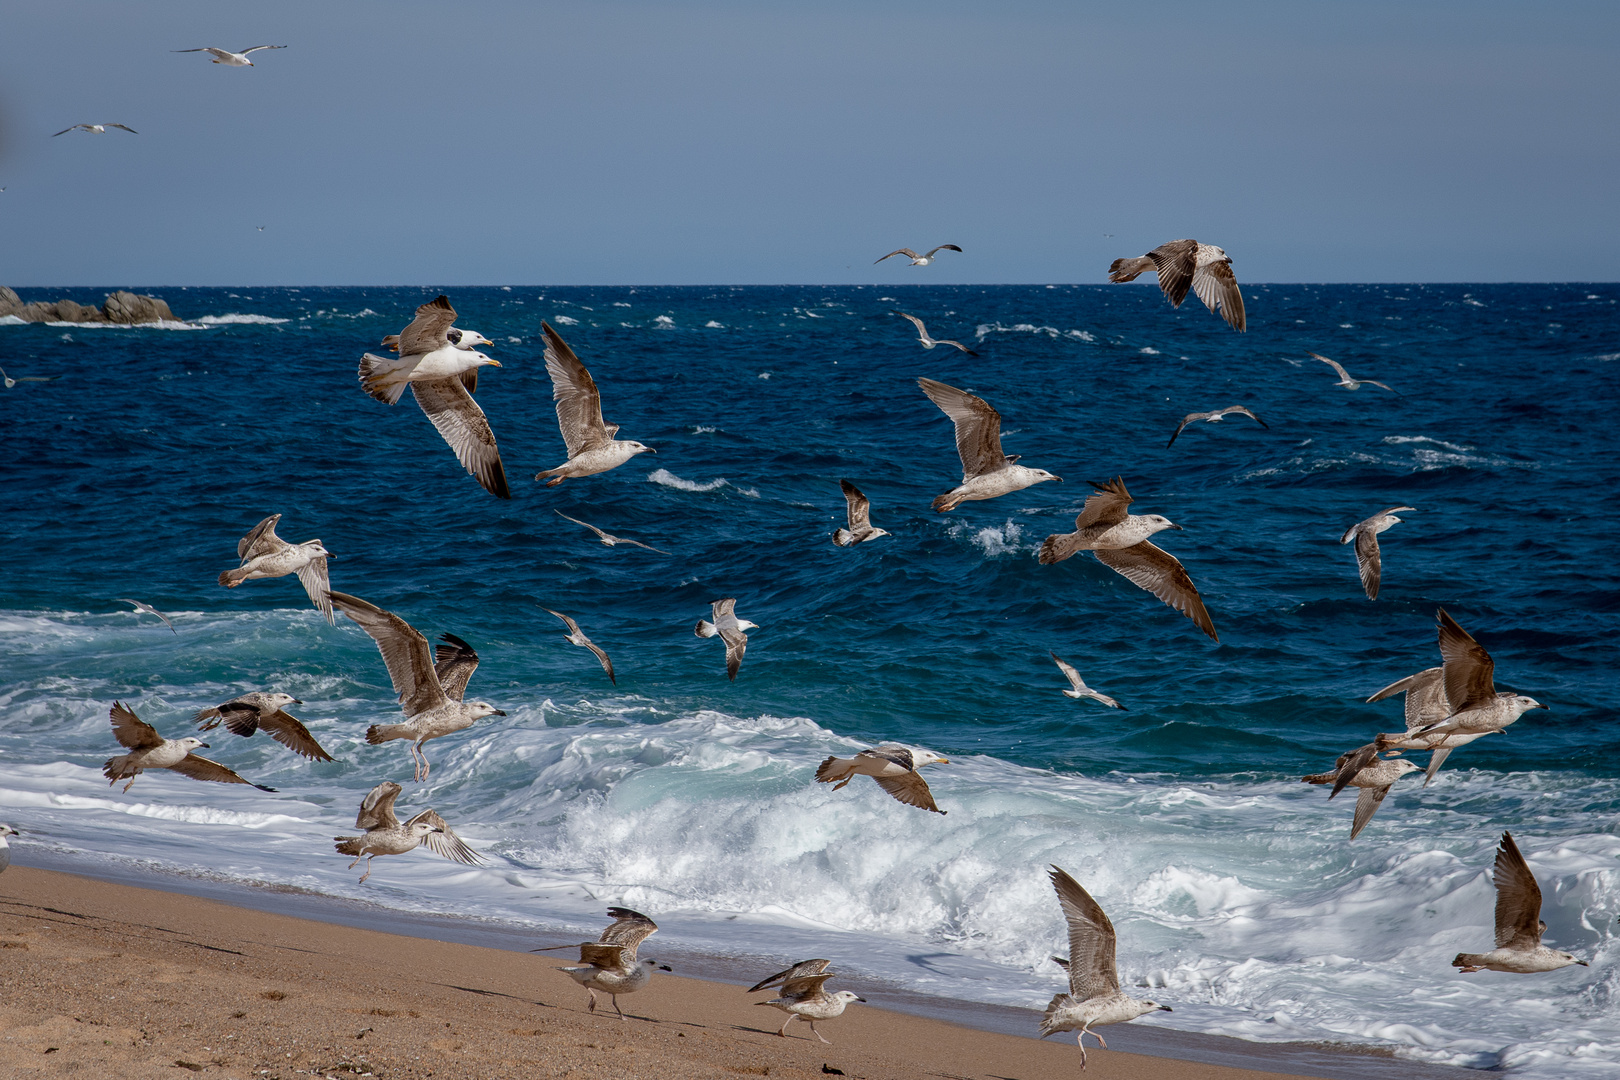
{"points": [[109, 980]]}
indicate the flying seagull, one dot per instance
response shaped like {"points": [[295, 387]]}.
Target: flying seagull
{"points": [[729, 629], [1181, 264], [1120, 541], [592, 447], [1347, 382], [228, 58], [442, 374], [384, 835], [430, 693], [608, 539], [1078, 688], [576, 636], [260, 711], [859, 508], [1518, 922], [916, 259], [149, 750], [928, 342], [609, 964], [10, 382], [986, 471], [1365, 534], [1094, 996], [1213, 417], [1477, 707], [893, 766], [143, 607], [1363, 768], [263, 554], [802, 995], [97, 129], [1425, 704]]}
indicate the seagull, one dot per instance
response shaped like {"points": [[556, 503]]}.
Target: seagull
{"points": [[1213, 417], [916, 259], [1094, 995], [730, 629], [386, 836], [1346, 381], [1078, 686], [261, 711], [98, 129], [860, 528], [1477, 707], [608, 539], [442, 375], [1425, 704], [1183, 263], [802, 995], [592, 447], [430, 687], [609, 964], [1363, 768], [576, 636], [6, 830], [149, 750], [266, 555], [10, 382], [986, 471], [1518, 922], [928, 342], [1365, 534], [893, 766], [1120, 541], [148, 609], [228, 58]]}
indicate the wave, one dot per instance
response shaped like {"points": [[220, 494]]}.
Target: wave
{"points": [[159, 324], [984, 330], [240, 320], [669, 479], [994, 540], [564, 320], [333, 313], [12, 320]]}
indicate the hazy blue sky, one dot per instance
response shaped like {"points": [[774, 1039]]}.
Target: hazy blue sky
{"points": [[401, 142]]}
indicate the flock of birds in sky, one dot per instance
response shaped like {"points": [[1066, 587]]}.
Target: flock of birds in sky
{"points": [[1446, 707]]}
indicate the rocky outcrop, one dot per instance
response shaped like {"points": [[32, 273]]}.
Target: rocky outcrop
{"points": [[125, 308]]}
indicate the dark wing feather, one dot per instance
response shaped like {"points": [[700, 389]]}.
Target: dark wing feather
{"points": [[1518, 899], [1369, 562], [910, 789], [1468, 667], [736, 645], [858, 505], [454, 664], [605, 956], [1367, 804], [1176, 262], [377, 808], [1217, 287], [1108, 505], [628, 930], [978, 427], [579, 404], [1156, 570], [1091, 939], [201, 768], [797, 971], [404, 650], [445, 843], [261, 540], [804, 987], [465, 427], [290, 732], [130, 730], [426, 332]]}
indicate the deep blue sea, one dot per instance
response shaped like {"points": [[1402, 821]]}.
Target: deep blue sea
{"points": [[1234, 888]]}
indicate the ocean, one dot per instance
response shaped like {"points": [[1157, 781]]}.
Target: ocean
{"points": [[1237, 895]]}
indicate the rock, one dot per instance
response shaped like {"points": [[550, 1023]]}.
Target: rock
{"points": [[128, 307], [10, 302], [125, 308]]}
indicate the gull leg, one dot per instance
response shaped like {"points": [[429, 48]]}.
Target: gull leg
{"points": [[1100, 1041], [818, 1034], [368, 868], [791, 1017], [126, 786], [1081, 1039], [357, 859], [592, 1006], [426, 767], [616, 1008]]}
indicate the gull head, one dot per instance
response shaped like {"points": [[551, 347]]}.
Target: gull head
{"points": [[637, 448], [654, 965], [928, 757], [746, 625], [875, 533], [847, 996], [279, 700], [420, 829], [480, 709], [484, 361], [1522, 704], [1158, 523], [316, 549], [1042, 476], [7, 830], [466, 339], [191, 742], [1404, 766]]}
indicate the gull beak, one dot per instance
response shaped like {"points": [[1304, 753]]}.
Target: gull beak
{"points": [[494, 363], [650, 450], [1166, 1008], [1583, 963], [205, 746], [944, 761], [861, 1000], [498, 713], [295, 701], [1539, 705], [665, 967], [1176, 527]]}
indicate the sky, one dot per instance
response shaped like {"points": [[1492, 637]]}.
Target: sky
{"points": [[621, 142]]}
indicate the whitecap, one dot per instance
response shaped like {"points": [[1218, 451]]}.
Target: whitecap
{"points": [[993, 540], [669, 479], [564, 320], [1399, 439], [240, 320], [1148, 351], [160, 324], [712, 325], [663, 321], [12, 320]]}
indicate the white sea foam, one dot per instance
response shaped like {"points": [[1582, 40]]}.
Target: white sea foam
{"points": [[994, 540], [669, 479], [712, 325], [12, 320], [240, 320], [564, 320], [664, 322], [984, 330], [333, 313], [159, 324]]}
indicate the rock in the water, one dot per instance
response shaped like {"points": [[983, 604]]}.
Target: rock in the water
{"points": [[121, 307], [128, 307]]}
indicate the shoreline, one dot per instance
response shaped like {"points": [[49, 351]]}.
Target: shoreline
{"points": [[74, 874]]}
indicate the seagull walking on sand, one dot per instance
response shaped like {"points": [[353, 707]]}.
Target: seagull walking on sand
{"points": [[607, 538], [987, 473], [149, 750], [384, 835], [609, 964], [96, 129], [228, 58], [802, 995], [893, 766], [1477, 707], [1094, 996], [1120, 541], [592, 447], [261, 711], [859, 509], [729, 629], [1184, 264], [1518, 922], [1213, 418], [916, 259], [576, 636], [1364, 769], [263, 554], [141, 607], [430, 687], [1078, 688], [928, 342], [1365, 534], [1346, 381], [1426, 704], [440, 364]]}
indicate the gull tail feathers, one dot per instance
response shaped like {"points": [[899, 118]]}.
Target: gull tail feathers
{"points": [[1320, 778], [1128, 269], [1059, 546], [1059, 1001], [116, 769], [704, 628], [843, 538], [947, 502], [349, 845], [1468, 961], [383, 377], [232, 578], [835, 768], [377, 734], [557, 473]]}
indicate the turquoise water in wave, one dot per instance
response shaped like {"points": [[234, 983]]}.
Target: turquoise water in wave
{"points": [[1232, 885]]}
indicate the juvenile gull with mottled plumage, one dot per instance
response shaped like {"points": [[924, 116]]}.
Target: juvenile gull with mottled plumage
{"points": [[576, 636], [1518, 922], [803, 997], [1364, 769], [1425, 704], [1214, 416], [986, 472], [1369, 560], [859, 511], [728, 628], [1077, 686], [1477, 707], [893, 766], [591, 442], [262, 711], [1184, 264], [385, 835], [149, 750], [609, 964], [263, 554]]}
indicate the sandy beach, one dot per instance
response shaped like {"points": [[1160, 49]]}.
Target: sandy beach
{"points": [[107, 979]]}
